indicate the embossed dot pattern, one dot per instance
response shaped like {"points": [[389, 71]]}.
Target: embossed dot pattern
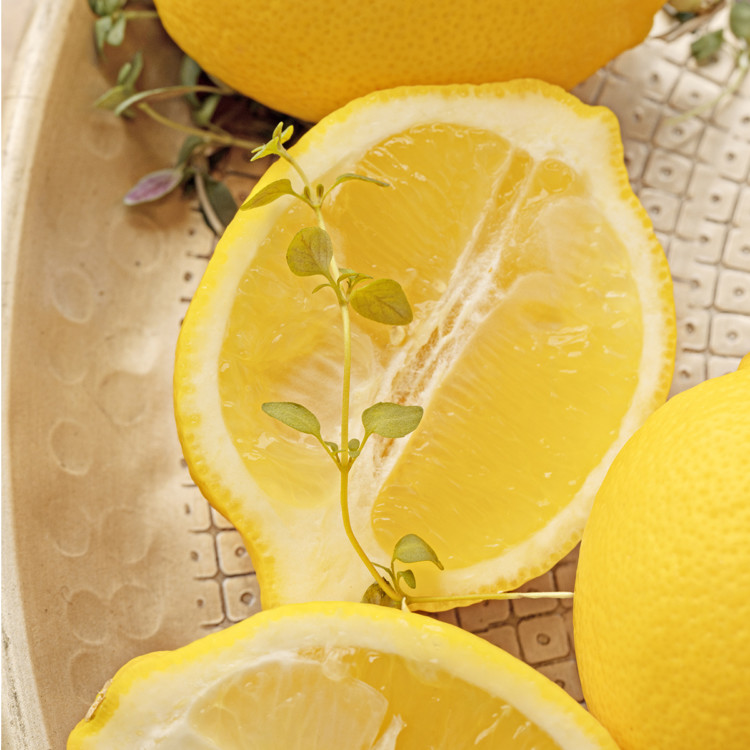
{"points": [[143, 251], [129, 540], [71, 532], [99, 550], [73, 295], [71, 446], [142, 599], [83, 611], [122, 397], [69, 361], [694, 184]]}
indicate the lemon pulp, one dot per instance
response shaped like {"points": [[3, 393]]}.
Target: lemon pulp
{"points": [[321, 697], [522, 293]]}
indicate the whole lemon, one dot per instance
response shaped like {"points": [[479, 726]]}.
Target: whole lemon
{"points": [[307, 59], [662, 599]]}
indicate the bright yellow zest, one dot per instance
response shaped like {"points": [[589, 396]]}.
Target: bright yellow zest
{"points": [[661, 607], [307, 59], [543, 336], [323, 676]]}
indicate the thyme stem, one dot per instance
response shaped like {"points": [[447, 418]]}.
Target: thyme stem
{"points": [[387, 588], [469, 598], [211, 217], [206, 136], [132, 15], [345, 463]]}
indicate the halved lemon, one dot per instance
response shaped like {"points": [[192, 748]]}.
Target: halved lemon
{"points": [[543, 335], [336, 675]]}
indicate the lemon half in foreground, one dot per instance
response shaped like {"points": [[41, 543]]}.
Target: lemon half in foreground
{"points": [[336, 675], [543, 335]]}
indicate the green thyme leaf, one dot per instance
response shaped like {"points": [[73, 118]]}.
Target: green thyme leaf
{"points": [[221, 199], [407, 576], [124, 90], [129, 72], [102, 27], [286, 133], [203, 115], [705, 48], [154, 186], [376, 595], [391, 420], [190, 72], [269, 193], [739, 20], [333, 446], [383, 301], [354, 445], [293, 415], [412, 548], [106, 7], [189, 145], [280, 136], [113, 98], [310, 252], [270, 148], [116, 34]]}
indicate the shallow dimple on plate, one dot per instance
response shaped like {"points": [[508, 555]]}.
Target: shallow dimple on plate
{"points": [[110, 550]]}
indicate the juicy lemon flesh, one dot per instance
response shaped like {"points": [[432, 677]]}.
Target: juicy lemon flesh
{"points": [[524, 349], [354, 698]]}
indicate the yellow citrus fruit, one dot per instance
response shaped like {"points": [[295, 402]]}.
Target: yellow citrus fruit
{"points": [[661, 609], [543, 335], [323, 676], [310, 58]]}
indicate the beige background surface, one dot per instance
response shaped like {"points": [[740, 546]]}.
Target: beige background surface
{"points": [[16, 14], [113, 551]]}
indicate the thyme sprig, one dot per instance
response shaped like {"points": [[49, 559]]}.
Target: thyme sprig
{"points": [[732, 37], [311, 253]]}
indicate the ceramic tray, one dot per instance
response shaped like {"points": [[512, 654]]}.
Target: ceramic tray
{"points": [[109, 550]]}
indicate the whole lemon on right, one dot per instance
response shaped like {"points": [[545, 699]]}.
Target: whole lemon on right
{"points": [[662, 599], [308, 59]]}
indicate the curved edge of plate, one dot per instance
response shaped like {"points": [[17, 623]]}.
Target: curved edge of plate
{"points": [[23, 725]]}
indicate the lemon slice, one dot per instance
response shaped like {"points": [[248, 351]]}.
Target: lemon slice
{"points": [[335, 675], [543, 335]]}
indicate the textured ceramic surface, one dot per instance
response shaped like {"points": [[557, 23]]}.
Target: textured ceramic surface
{"points": [[109, 549]]}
